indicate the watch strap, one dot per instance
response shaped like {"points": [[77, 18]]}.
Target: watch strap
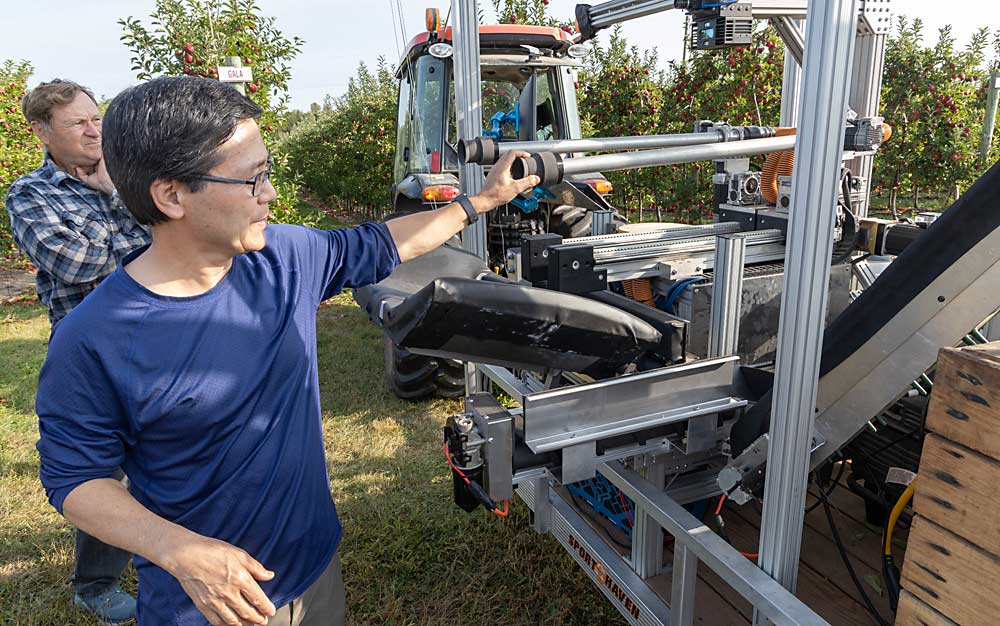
{"points": [[470, 211]]}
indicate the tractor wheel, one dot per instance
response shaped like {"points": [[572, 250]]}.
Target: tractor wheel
{"points": [[413, 376], [573, 221]]}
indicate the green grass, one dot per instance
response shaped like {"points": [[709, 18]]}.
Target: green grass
{"points": [[409, 555]]}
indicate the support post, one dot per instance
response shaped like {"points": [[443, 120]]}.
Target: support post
{"points": [[866, 81], [993, 91], [236, 62], [684, 579], [790, 80], [830, 34], [468, 107], [647, 535], [727, 292], [601, 222]]}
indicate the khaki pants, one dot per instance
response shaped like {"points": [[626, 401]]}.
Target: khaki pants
{"points": [[322, 604]]}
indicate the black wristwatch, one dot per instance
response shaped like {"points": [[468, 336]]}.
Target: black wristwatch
{"points": [[470, 211]]}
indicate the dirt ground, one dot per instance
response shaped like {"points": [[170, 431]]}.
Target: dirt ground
{"points": [[16, 284]]}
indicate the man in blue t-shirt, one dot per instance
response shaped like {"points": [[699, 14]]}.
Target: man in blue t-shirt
{"points": [[193, 367]]}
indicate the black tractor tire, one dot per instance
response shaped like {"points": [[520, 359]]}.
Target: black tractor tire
{"points": [[571, 221], [414, 376]]}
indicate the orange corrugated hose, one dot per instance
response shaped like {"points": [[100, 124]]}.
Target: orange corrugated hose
{"points": [[640, 290], [773, 168]]}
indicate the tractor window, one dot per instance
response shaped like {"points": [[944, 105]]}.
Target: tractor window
{"points": [[428, 115], [499, 98], [548, 126], [403, 129]]}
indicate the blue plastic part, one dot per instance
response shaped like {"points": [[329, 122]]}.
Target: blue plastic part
{"points": [[600, 494], [499, 119], [530, 205]]}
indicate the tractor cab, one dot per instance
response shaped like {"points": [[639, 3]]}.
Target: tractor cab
{"points": [[528, 76]]}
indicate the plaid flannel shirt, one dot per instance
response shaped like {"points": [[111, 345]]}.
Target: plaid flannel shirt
{"points": [[74, 235]]}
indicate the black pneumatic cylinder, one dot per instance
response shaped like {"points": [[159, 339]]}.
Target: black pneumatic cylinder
{"points": [[546, 165], [481, 151]]}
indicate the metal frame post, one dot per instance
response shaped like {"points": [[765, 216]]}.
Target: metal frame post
{"points": [[724, 324], [866, 80], [790, 32], [831, 28], [727, 293], [647, 534], [790, 81], [468, 107], [468, 111], [602, 222]]}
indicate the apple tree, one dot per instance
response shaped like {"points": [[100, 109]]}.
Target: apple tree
{"points": [[344, 154], [193, 37], [934, 99], [20, 151]]}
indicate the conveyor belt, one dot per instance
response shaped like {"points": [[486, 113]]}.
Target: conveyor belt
{"points": [[942, 285]]}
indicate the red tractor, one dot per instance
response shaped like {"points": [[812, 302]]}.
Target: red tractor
{"points": [[528, 78]]}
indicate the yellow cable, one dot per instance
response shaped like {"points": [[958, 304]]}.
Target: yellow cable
{"points": [[897, 510]]}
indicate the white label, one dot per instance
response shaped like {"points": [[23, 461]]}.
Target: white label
{"points": [[229, 74]]}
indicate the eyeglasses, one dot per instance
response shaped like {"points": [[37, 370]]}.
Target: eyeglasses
{"points": [[258, 182]]}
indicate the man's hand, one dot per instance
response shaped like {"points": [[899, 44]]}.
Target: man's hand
{"points": [[501, 187], [221, 580], [97, 178]]}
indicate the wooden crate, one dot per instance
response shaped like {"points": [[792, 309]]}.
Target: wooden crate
{"points": [[951, 572], [913, 612], [965, 405]]}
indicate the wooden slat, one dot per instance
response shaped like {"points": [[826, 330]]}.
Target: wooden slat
{"points": [[711, 606], [951, 575], [954, 489], [965, 405], [913, 612], [823, 575]]}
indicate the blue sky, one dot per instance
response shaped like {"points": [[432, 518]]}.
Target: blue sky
{"points": [[80, 41]]}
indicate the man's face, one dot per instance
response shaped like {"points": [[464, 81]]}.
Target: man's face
{"points": [[73, 134], [227, 218]]}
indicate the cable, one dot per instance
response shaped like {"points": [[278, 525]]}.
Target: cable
{"points": [[890, 572], [675, 291], [447, 455], [492, 507], [721, 524], [847, 561], [628, 511], [836, 481]]}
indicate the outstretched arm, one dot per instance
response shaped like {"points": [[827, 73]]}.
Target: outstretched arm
{"points": [[419, 233]]}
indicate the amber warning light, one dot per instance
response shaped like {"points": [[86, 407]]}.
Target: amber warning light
{"points": [[433, 19]]}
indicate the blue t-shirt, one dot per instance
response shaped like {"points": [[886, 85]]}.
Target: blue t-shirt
{"points": [[211, 405]]}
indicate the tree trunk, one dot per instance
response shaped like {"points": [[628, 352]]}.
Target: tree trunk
{"points": [[659, 213], [916, 199]]}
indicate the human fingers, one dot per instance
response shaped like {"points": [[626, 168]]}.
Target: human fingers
{"points": [[252, 590]]}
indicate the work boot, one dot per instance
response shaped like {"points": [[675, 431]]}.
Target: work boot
{"points": [[112, 608]]}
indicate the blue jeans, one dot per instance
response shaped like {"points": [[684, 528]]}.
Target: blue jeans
{"points": [[98, 565]]}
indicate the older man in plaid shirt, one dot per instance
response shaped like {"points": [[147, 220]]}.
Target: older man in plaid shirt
{"points": [[66, 215], [67, 218]]}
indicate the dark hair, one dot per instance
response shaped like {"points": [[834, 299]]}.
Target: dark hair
{"points": [[38, 103], [169, 128]]}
